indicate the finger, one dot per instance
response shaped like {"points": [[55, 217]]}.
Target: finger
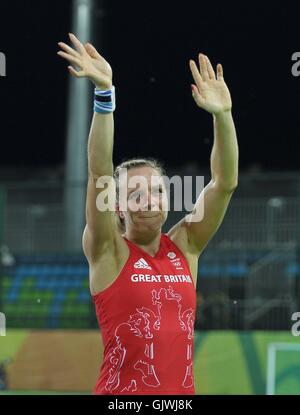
{"points": [[70, 58], [197, 96], [220, 75], [196, 75], [77, 74], [67, 49], [203, 67], [210, 69], [78, 45], [92, 51]]}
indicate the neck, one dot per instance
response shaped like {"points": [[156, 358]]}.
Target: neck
{"points": [[150, 242]]}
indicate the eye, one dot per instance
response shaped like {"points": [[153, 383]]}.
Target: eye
{"points": [[157, 190], [135, 195]]}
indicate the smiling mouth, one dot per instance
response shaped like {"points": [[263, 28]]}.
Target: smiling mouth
{"points": [[149, 216]]}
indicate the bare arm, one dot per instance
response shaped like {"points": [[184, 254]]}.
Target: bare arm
{"points": [[212, 94], [101, 227], [99, 232], [224, 155]]}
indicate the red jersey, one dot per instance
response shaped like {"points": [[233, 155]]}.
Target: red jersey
{"points": [[146, 317]]}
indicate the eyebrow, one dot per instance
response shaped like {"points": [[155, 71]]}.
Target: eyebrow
{"points": [[156, 186], [134, 190]]}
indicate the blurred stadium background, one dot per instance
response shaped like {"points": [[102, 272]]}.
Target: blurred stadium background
{"points": [[249, 274], [248, 290]]}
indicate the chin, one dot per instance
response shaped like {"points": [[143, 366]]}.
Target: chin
{"points": [[155, 223], [152, 223]]}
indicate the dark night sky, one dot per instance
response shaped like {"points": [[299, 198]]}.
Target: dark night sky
{"points": [[148, 46]]}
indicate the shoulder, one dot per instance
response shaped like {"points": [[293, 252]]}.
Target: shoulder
{"points": [[179, 236], [106, 264], [96, 250]]}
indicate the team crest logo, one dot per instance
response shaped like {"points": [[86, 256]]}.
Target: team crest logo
{"points": [[176, 262]]}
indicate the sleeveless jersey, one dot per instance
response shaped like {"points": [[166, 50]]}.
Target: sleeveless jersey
{"points": [[146, 317]]}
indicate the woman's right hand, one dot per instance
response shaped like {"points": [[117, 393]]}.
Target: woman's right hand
{"points": [[92, 65]]}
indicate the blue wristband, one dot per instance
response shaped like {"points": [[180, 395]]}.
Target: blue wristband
{"points": [[104, 101]]}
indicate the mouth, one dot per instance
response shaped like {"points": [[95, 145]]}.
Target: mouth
{"points": [[149, 216]]}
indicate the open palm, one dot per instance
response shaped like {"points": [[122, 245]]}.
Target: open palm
{"points": [[210, 92], [90, 63]]}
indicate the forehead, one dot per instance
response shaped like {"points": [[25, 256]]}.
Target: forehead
{"points": [[139, 177], [143, 171]]}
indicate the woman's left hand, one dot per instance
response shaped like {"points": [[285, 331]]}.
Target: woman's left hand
{"points": [[210, 92]]}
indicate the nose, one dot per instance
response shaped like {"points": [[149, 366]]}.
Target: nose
{"points": [[147, 202], [153, 201]]}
